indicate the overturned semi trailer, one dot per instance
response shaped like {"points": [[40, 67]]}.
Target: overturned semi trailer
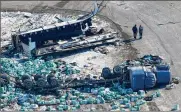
{"points": [[30, 40]]}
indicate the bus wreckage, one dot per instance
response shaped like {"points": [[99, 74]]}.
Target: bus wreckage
{"points": [[63, 36]]}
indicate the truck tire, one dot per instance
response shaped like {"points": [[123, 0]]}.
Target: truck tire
{"points": [[106, 73], [49, 78], [28, 84], [53, 82], [117, 70], [41, 82]]}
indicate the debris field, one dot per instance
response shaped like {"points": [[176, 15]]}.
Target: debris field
{"points": [[105, 76]]}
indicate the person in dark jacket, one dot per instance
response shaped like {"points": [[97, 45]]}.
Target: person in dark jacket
{"points": [[140, 31], [135, 31]]}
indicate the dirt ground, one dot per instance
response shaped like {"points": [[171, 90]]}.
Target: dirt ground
{"points": [[160, 19]]}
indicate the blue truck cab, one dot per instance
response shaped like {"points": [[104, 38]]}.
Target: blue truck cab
{"points": [[145, 78]]}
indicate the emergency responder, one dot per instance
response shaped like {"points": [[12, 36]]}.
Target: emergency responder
{"points": [[140, 31], [135, 31]]}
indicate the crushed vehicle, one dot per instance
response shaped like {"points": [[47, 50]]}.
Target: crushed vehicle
{"points": [[139, 75], [134, 74], [61, 37]]}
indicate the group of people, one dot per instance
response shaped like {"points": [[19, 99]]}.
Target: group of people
{"points": [[135, 31]]}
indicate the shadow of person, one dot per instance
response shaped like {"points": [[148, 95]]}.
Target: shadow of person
{"points": [[130, 40]]}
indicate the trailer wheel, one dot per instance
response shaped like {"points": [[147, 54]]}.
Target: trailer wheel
{"points": [[106, 73], [53, 82], [41, 82], [117, 70], [27, 83], [49, 78]]}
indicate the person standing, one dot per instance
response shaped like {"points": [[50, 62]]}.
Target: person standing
{"points": [[140, 31], [135, 31]]}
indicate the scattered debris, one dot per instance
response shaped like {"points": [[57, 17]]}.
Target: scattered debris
{"points": [[170, 86], [176, 108], [27, 14], [102, 50], [176, 80], [75, 97], [156, 94], [48, 75], [148, 98], [150, 59]]}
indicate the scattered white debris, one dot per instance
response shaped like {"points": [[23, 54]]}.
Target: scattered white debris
{"points": [[170, 86], [27, 14], [175, 108]]}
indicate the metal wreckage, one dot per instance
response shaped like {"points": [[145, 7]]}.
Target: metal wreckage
{"points": [[139, 74], [63, 36], [148, 71]]}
